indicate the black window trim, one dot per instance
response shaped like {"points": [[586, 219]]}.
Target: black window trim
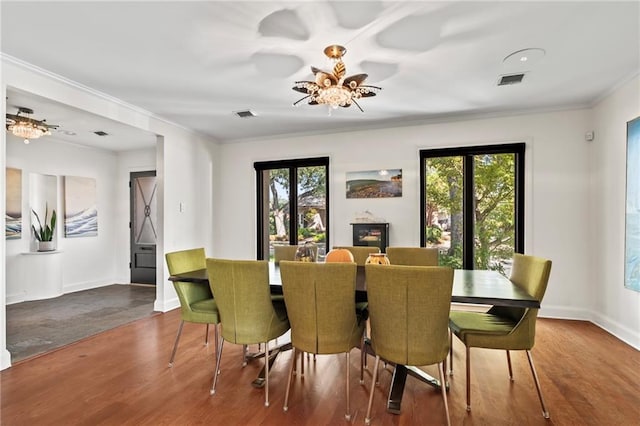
{"points": [[467, 153], [292, 165]]}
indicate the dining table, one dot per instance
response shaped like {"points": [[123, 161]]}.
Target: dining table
{"points": [[478, 287]]}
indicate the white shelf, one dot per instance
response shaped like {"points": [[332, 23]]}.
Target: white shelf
{"points": [[41, 274]]}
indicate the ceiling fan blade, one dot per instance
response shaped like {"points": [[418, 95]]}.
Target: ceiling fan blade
{"points": [[357, 78], [300, 88], [322, 77], [300, 100], [372, 92]]}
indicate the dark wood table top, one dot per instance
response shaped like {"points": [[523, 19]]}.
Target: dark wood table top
{"points": [[469, 286]]}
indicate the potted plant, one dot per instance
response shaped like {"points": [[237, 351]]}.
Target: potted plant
{"points": [[44, 234]]}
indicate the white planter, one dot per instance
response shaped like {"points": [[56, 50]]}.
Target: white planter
{"points": [[46, 246]]}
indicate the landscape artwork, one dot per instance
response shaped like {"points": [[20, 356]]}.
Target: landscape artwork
{"points": [[13, 214], [383, 183], [80, 209], [632, 217]]}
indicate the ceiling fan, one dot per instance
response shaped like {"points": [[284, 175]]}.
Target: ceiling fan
{"points": [[333, 88], [26, 127]]}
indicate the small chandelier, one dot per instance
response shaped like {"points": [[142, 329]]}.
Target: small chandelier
{"points": [[333, 88], [26, 127]]}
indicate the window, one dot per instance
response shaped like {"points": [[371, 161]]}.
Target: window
{"points": [[472, 205], [297, 189]]}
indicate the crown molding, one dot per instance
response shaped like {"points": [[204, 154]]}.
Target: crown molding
{"points": [[88, 90]]}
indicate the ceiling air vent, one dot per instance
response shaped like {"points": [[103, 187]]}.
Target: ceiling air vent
{"points": [[245, 114], [510, 79], [101, 133]]}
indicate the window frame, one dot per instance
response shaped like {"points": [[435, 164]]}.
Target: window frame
{"points": [[293, 165], [468, 153]]}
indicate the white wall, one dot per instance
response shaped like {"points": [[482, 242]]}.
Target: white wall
{"points": [[185, 162], [84, 263], [614, 307], [557, 223]]}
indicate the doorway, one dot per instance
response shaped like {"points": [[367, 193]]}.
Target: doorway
{"points": [[142, 226]]}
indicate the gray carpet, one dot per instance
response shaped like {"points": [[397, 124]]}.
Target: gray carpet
{"points": [[39, 326]]}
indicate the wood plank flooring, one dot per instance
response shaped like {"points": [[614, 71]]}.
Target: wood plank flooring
{"points": [[120, 377]]}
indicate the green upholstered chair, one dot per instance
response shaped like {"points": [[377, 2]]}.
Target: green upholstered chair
{"points": [[360, 253], [503, 327], [413, 256], [196, 301], [247, 314], [320, 300], [409, 316], [284, 252]]}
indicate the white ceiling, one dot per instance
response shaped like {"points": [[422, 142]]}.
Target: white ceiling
{"points": [[194, 63]]}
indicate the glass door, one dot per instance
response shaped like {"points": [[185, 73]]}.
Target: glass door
{"points": [[473, 205], [292, 204]]}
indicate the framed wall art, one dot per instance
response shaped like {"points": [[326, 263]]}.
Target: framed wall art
{"points": [[80, 209], [13, 216], [374, 183], [632, 214]]}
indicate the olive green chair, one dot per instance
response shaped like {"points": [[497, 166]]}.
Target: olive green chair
{"points": [[503, 327], [284, 252], [247, 314], [196, 301], [409, 316], [320, 299], [413, 256], [360, 253]]}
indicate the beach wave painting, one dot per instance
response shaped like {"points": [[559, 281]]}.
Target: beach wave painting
{"points": [[13, 214], [80, 210]]}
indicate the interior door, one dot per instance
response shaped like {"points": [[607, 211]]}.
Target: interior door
{"points": [[142, 227]]}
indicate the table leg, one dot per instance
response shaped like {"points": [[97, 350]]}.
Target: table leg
{"points": [[398, 381], [397, 388], [259, 382]]}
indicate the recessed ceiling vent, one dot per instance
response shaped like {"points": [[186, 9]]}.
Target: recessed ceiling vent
{"points": [[510, 79], [101, 133], [245, 114]]}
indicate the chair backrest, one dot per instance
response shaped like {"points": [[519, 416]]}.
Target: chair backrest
{"points": [[182, 261], [409, 312], [360, 253], [242, 293], [282, 252], [413, 256], [531, 274], [320, 299]]}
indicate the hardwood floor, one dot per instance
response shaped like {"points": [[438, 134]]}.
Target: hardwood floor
{"points": [[120, 377]]}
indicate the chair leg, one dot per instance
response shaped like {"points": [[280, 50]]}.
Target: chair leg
{"points": [[363, 357], [367, 419], [347, 415], [468, 378], [443, 388], [285, 407], [545, 412], [509, 364], [244, 355], [266, 374], [450, 353], [215, 373], [217, 346], [175, 345]]}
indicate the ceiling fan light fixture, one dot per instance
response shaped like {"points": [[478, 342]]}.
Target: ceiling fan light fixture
{"points": [[26, 127], [333, 88]]}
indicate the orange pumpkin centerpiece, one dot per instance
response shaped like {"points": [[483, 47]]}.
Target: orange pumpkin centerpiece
{"points": [[339, 255]]}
